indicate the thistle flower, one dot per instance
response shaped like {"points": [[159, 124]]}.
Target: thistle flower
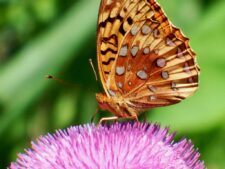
{"points": [[117, 146]]}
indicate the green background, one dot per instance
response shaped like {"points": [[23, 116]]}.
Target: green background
{"points": [[39, 37]]}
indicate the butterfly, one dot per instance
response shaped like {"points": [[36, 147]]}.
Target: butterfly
{"points": [[143, 60]]}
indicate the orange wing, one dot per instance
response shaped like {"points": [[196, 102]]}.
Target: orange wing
{"points": [[142, 57], [109, 39]]}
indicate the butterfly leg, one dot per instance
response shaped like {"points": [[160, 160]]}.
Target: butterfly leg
{"points": [[133, 114], [134, 117], [93, 117], [104, 119]]}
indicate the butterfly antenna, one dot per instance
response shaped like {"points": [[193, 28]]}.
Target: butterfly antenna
{"points": [[93, 68], [59, 80], [94, 115]]}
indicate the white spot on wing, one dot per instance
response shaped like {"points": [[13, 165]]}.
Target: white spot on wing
{"points": [[187, 68], [146, 50], [169, 42], [134, 30], [111, 93], [120, 85], [109, 2], [142, 75], [134, 50], [174, 86], [179, 53], [161, 62], [120, 70], [146, 29], [129, 83], [165, 75], [123, 51], [152, 98], [152, 88]]}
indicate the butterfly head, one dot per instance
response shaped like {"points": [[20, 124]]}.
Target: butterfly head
{"points": [[116, 105], [108, 103], [103, 101]]}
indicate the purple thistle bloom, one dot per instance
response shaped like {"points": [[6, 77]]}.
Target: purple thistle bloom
{"points": [[118, 146]]}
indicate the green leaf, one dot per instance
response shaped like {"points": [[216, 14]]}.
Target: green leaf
{"points": [[22, 80]]}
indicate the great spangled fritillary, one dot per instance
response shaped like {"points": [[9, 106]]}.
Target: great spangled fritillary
{"points": [[143, 60]]}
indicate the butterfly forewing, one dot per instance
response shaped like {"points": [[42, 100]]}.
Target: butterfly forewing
{"points": [[142, 56]]}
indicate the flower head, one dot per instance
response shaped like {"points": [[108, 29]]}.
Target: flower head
{"points": [[118, 146]]}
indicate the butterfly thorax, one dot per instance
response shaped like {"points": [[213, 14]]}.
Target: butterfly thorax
{"points": [[115, 104]]}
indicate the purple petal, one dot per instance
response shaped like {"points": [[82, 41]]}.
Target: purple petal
{"points": [[118, 146]]}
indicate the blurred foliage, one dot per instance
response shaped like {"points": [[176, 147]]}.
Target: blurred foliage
{"points": [[58, 37]]}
